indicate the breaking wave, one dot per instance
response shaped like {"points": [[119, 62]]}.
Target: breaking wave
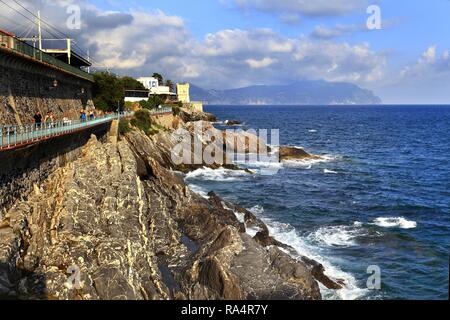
{"points": [[397, 222], [337, 236], [221, 174], [287, 234], [199, 190], [301, 163]]}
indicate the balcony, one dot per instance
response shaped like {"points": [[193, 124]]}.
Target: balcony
{"points": [[10, 42]]}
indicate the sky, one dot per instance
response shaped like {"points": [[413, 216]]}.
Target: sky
{"points": [[220, 44]]}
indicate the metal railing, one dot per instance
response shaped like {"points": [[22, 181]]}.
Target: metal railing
{"points": [[12, 135], [24, 48]]}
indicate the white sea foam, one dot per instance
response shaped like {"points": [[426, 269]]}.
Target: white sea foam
{"points": [[199, 190], [239, 215], [252, 231], [326, 171], [337, 236], [396, 222], [287, 234], [262, 166], [312, 131], [358, 224], [308, 163], [257, 210], [221, 174]]}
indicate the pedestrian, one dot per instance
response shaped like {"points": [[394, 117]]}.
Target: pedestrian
{"points": [[91, 115], [49, 119], [37, 119], [82, 115]]}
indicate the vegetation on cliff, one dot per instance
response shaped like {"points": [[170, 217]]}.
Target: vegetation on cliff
{"points": [[109, 90]]}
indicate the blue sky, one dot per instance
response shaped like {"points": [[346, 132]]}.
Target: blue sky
{"points": [[411, 26], [418, 23], [232, 43]]}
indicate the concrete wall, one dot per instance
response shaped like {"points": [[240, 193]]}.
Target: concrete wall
{"points": [[197, 106], [27, 86], [21, 169], [166, 120]]}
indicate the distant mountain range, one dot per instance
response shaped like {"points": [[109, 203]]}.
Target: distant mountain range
{"points": [[301, 92]]}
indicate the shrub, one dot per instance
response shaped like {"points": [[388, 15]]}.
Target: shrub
{"points": [[128, 105], [176, 110], [124, 126], [143, 121], [152, 103]]}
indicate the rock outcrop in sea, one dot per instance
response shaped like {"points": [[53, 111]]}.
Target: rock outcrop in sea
{"points": [[119, 222], [295, 153]]}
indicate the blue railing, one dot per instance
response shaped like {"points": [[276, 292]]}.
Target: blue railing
{"points": [[13, 135]]}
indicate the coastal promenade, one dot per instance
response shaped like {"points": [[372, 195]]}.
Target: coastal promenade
{"points": [[13, 136]]}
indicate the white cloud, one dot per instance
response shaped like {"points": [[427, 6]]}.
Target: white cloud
{"points": [[429, 56], [429, 66], [262, 63], [139, 43], [425, 81]]}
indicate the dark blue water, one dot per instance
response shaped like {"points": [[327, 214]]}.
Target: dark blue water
{"points": [[381, 197]]}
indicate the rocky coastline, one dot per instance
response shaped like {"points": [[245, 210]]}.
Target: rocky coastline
{"points": [[123, 218]]}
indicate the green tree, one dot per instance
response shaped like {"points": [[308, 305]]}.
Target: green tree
{"points": [[170, 84], [107, 91], [159, 77], [130, 83], [110, 89]]}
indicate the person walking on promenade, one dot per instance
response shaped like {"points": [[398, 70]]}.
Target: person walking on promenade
{"points": [[49, 119], [37, 119], [83, 115], [91, 115]]}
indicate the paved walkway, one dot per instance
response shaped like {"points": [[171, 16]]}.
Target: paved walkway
{"points": [[13, 136]]}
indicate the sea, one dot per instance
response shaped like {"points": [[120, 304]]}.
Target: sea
{"points": [[375, 210]]}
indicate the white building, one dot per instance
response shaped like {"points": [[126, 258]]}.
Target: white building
{"points": [[152, 84], [149, 82]]}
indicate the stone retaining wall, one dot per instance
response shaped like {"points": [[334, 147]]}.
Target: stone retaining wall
{"points": [[21, 169], [27, 86]]}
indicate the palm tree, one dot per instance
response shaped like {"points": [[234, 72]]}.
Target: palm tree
{"points": [[159, 77]]}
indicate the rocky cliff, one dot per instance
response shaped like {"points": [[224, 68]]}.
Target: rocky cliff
{"points": [[120, 223]]}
